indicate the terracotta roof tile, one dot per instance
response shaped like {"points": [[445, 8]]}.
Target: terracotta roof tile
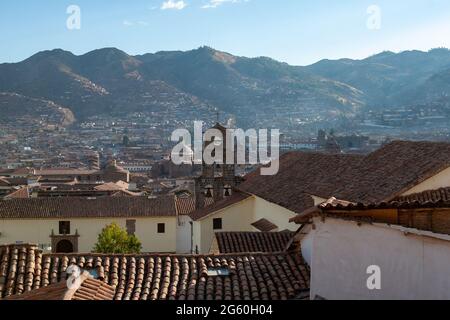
{"points": [[393, 169], [262, 276], [379, 176], [73, 207], [301, 175], [22, 193], [264, 225], [438, 195], [90, 289], [239, 242]]}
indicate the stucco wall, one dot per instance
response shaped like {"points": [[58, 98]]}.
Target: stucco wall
{"points": [[239, 217], [441, 180], [236, 218], [38, 231], [184, 232], [275, 214], [412, 266]]}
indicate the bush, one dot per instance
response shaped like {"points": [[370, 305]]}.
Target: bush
{"points": [[114, 239]]}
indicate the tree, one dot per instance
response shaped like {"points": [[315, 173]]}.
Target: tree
{"points": [[114, 239]]}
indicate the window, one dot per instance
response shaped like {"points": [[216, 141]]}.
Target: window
{"points": [[64, 227], [218, 272], [161, 228], [131, 227], [217, 224]]}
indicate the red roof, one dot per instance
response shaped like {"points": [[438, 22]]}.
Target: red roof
{"points": [[257, 276]]}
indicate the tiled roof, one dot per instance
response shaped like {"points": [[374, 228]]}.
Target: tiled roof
{"points": [[90, 289], [379, 176], [392, 170], [4, 182], [22, 193], [438, 195], [185, 205], [64, 171], [72, 207], [301, 175], [432, 199], [264, 225], [259, 276], [236, 242]]}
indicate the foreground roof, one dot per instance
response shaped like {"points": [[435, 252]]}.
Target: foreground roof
{"points": [[427, 211], [247, 276], [90, 289], [73, 207]]}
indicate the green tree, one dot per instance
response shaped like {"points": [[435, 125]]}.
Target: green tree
{"points": [[114, 239]]}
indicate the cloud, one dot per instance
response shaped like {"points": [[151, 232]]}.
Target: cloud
{"points": [[173, 5], [127, 23], [217, 3]]}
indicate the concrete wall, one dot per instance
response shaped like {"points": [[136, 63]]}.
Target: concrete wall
{"points": [[440, 180], [239, 217], [39, 231], [412, 266]]}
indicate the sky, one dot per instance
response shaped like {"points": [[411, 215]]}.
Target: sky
{"points": [[298, 32]]}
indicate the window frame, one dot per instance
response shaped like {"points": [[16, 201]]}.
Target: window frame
{"points": [[218, 221], [64, 225], [163, 226]]}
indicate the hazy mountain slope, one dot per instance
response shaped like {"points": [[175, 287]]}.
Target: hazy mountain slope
{"points": [[386, 78], [238, 84], [109, 81], [15, 107]]}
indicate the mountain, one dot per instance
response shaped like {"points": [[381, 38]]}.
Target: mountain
{"points": [[196, 82], [15, 108], [238, 84], [388, 78], [111, 81]]}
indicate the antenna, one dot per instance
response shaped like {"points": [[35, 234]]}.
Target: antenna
{"points": [[217, 115]]}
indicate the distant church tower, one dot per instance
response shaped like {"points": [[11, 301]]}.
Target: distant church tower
{"points": [[217, 180]]}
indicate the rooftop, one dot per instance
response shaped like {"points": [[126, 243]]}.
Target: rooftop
{"points": [[261, 276], [74, 207]]}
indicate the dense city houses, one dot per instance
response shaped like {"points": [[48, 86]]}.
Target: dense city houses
{"points": [[222, 235]]}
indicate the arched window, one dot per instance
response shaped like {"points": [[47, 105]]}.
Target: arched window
{"points": [[227, 191], [209, 191]]}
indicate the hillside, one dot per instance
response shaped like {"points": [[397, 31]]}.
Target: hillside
{"points": [[109, 81]]}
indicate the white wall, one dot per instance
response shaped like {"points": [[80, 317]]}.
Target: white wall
{"points": [[39, 231], [276, 214], [239, 218], [440, 180], [184, 232], [412, 266]]}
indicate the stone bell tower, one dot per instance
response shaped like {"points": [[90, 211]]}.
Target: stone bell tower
{"points": [[217, 180]]}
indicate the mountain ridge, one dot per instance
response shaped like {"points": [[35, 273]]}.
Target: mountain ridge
{"points": [[108, 80]]}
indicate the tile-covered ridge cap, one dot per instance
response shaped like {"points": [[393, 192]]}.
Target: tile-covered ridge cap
{"points": [[162, 255]]}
